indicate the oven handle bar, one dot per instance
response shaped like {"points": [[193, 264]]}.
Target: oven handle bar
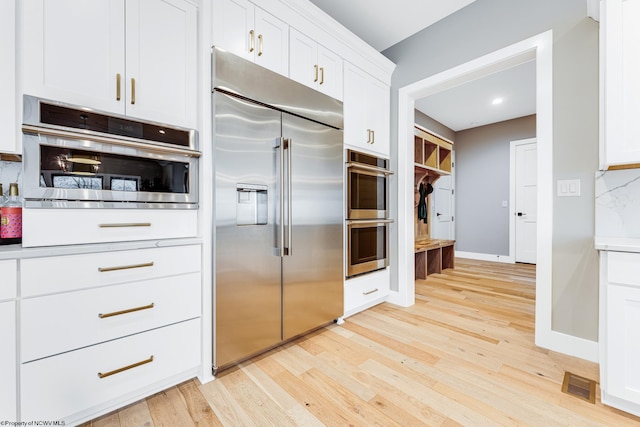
{"points": [[125, 142], [369, 168]]}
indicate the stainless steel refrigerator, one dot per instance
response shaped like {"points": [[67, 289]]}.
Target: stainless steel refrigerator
{"points": [[278, 209]]}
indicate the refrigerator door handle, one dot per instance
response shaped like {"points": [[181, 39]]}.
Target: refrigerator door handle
{"points": [[279, 251], [288, 145]]}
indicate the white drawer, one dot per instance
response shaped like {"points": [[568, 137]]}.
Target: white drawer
{"points": [[72, 272], [8, 364], [623, 268], [52, 227], [57, 387], [8, 279], [363, 290], [58, 323]]}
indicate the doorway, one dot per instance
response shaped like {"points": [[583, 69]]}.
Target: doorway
{"points": [[443, 206], [523, 197], [539, 48]]}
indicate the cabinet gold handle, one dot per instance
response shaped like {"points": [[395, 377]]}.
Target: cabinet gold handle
{"points": [[118, 84], [127, 224], [252, 41], [133, 91], [260, 45], [125, 368], [316, 69], [370, 292], [368, 136], [321, 75], [127, 311], [124, 267], [373, 136]]}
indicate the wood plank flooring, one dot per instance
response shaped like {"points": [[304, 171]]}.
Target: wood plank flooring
{"points": [[464, 354]]}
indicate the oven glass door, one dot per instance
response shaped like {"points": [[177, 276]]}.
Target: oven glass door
{"points": [[367, 194], [61, 169], [368, 246]]}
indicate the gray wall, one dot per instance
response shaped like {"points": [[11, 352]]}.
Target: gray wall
{"points": [[434, 125], [488, 25], [482, 184]]}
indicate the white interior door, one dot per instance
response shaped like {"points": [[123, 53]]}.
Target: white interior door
{"points": [[442, 208], [526, 203]]}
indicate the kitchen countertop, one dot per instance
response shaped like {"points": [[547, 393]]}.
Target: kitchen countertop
{"points": [[617, 244], [18, 252]]}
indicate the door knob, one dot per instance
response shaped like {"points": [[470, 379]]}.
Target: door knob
{"points": [[520, 214], [438, 214]]}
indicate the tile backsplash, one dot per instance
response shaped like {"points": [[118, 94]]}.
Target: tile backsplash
{"points": [[617, 203], [10, 172]]}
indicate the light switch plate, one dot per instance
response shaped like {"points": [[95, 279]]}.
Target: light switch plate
{"points": [[569, 188]]}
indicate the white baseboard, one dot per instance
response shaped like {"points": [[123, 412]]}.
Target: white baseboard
{"points": [[485, 257], [569, 345]]}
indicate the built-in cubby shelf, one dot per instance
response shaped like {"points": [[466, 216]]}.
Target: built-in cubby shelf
{"points": [[432, 152]]}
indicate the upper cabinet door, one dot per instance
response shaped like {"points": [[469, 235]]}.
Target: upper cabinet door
{"points": [[161, 60], [303, 62], [331, 73], [314, 66], [9, 140], [621, 79], [251, 33], [366, 111], [74, 51], [233, 27], [271, 42]]}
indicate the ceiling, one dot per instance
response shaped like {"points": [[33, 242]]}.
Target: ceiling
{"points": [[463, 107]]}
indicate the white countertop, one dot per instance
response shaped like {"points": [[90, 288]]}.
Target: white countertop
{"points": [[18, 252], [617, 244]]}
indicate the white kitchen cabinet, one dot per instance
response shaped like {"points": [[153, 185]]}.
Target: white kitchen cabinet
{"points": [[366, 111], [365, 291], [315, 66], [82, 226], [133, 57], [100, 330], [75, 385], [620, 330], [620, 80], [248, 31], [8, 364], [9, 141]]}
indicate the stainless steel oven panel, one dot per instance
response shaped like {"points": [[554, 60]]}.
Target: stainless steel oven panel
{"points": [[32, 173], [361, 169], [31, 119], [369, 266]]}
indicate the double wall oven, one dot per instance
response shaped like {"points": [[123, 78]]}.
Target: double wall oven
{"points": [[367, 213]]}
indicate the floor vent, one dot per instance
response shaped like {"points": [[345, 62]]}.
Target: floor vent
{"points": [[580, 387]]}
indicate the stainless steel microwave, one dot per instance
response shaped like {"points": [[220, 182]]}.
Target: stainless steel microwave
{"points": [[75, 155]]}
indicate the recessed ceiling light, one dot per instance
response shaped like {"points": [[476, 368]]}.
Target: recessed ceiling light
{"points": [[497, 101]]}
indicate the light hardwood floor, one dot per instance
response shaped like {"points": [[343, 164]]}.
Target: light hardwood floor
{"points": [[464, 354]]}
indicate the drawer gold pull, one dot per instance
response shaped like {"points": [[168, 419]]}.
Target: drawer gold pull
{"points": [[125, 368], [252, 41], [260, 43], [322, 74], [125, 267], [128, 224], [130, 310], [370, 292], [118, 87], [133, 91]]}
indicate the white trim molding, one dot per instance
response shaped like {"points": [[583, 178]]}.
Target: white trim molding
{"points": [[505, 259], [540, 49]]}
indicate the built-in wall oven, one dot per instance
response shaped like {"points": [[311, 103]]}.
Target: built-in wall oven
{"points": [[75, 155], [367, 213]]}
